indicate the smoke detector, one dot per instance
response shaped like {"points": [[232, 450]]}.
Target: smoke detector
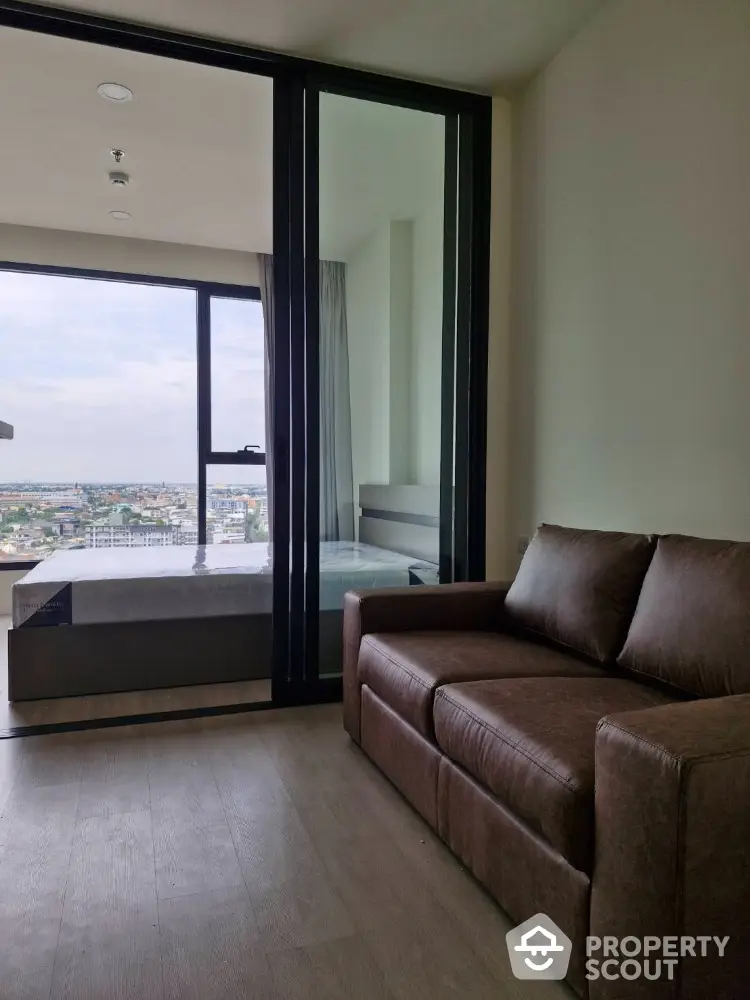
{"points": [[118, 178], [120, 216]]}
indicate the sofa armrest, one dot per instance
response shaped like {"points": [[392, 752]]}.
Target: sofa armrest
{"points": [[672, 809], [451, 606]]}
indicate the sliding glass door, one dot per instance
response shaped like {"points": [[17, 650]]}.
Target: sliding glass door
{"points": [[380, 419], [382, 212]]}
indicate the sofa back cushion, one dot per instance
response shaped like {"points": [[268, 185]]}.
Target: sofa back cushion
{"points": [[692, 624], [580, 588]]}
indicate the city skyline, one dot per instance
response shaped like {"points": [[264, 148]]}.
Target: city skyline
{"points": [[99, 380], [125, 482], [37, 520]]}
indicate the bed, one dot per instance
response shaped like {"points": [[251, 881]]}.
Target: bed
{"points": [[92, 621]]}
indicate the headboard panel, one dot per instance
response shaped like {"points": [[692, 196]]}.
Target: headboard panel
{"points": [[401, 518]]}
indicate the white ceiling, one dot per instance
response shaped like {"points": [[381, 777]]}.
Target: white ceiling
{"points": [[198, 144], [483, 44], [198, 140], [195, 138]]}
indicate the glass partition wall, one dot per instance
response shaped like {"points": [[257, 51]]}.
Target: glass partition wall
{"points": [[341, 393], [383, 433], [381, 323]]}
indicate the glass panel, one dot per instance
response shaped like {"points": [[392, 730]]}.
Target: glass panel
{"points": [[236, 504], [98, 378], [381, 315], [238, 416]]}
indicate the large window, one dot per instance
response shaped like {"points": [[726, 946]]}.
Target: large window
{"points": [[100, 378]]}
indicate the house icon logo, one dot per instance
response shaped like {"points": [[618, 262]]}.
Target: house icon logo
{"points": [[538, 949]]}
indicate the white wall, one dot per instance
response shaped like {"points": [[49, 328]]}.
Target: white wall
{"points": [[394, 194], [426, 345], [400, 292], [33, 245], [631, 406], [368, 321], [394, 316]]}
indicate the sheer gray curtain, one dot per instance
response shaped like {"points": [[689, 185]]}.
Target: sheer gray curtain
{"points": [[265, 271], [336, 485]]}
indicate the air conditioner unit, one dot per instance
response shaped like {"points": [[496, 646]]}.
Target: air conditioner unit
{"points": [[6, 431]]}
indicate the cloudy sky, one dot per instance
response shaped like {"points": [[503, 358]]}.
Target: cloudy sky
{"points": [[99, 380]]}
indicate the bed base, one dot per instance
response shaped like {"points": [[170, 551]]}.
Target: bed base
{"points": [[71, 660]]}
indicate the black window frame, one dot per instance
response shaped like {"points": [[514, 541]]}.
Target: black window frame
{"points": [[204, 291]]}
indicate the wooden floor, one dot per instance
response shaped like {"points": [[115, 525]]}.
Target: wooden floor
{"points": [[105, 706], [249, 856]]}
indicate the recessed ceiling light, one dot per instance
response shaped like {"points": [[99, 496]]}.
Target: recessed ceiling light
{"points": [[116, 92], [120, 215]]}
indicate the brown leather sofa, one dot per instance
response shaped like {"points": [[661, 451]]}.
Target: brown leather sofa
{"points": [[580, 738]]}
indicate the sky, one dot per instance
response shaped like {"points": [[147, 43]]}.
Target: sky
{"points": [[99, 378]]}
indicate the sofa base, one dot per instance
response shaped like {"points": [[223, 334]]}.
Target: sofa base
{"points": [[402, 754], [524, 874]]}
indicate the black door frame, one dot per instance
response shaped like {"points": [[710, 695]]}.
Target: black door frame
{"points": [[295, 285], [464, 352]]}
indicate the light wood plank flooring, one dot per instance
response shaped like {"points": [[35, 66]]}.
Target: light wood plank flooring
{"points": [[107, 706], [254, 856]]}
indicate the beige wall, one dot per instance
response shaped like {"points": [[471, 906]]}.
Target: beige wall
{"points": [[368, 306], [631, 319], [58, 248], [499, 543]]}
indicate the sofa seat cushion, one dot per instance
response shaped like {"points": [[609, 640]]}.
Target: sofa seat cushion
{"points": [[531, 742], [405, 668]]}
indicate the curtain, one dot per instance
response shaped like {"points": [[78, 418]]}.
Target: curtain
{"points": [[336, 484], [265, 270]]}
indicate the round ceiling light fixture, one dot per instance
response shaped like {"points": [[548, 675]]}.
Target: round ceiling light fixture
{"points": [[120, 215], [116, 92]]}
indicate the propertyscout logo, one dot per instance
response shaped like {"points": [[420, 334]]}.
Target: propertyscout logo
{"points": [[538, 949], [650, 957]]}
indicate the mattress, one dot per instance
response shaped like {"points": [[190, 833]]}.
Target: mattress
{"points": [[91, 586]]}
